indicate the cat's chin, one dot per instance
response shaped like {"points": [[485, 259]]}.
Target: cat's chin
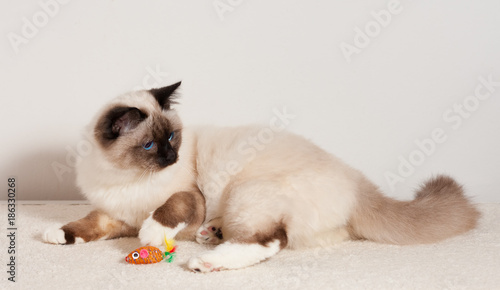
{"points": [[146, 172]]}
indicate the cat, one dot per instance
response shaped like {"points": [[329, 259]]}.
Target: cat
{"points": [[148, 176]]}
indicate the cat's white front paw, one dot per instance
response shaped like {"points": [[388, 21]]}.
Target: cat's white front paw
{"points": [[153, 233], [54, 235]]}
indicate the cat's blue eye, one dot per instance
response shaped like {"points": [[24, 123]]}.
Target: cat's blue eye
{"points": [[148, 145], [171, 136]]}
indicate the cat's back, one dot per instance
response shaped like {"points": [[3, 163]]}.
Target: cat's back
{"points": [[224, 153], [221, 147]]}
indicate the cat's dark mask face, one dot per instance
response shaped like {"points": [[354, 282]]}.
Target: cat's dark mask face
{"points": [[146, 136]]}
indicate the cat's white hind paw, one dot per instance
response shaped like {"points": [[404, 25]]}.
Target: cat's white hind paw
{"points": [[54, 235], [233, 256], [196, 264], [153, 233], [210, 232]]}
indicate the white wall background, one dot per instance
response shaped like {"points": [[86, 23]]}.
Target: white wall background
{"points": [[251, 57]]}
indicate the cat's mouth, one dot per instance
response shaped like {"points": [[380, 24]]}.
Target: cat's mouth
{"points": [[165, 161]]}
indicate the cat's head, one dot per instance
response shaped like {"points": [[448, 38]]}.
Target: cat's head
{"points": [[140, 131]]}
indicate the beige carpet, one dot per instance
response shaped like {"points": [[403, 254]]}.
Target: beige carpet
{"points": [[471, 261]]}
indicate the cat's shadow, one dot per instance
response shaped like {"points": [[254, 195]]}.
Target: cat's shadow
{"points": [[125, 245], [45, 174]]}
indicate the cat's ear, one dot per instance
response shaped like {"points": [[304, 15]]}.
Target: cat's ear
{"points": [[118, 121], [165, 96]]}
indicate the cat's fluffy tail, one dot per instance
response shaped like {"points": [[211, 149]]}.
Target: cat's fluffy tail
{"points": [[440, 210]]}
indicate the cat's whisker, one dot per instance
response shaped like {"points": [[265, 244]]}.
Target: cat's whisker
{"points": [[188, 166], [151, 171], [189, 169], [143, 174]]}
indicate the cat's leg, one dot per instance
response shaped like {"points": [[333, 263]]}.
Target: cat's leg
{"points": [[254, 225], [241, 252], [179, 216], [95, 226], [210, 232]]}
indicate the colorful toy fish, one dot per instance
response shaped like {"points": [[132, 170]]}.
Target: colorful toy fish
{"points": [[145, 255], [151, 255]]}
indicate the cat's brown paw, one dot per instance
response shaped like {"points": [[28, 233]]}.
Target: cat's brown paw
{"points": [[210, 232], [56, 235]]}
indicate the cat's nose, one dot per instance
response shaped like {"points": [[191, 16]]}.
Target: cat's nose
{"points": [[162, 162], [171, 155], [169, 158]]}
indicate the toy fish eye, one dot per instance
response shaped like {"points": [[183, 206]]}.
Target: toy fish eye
{"points": [[135, 255]]}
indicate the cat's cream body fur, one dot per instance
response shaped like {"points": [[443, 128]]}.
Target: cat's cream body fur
{"points": [[264, 193], [288, 179]]}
